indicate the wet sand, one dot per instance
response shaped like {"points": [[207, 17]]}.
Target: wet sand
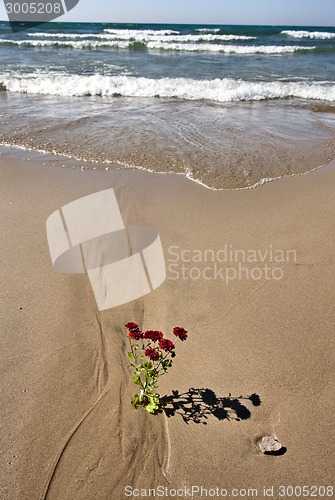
{"points": [[226, 146], [68, 430]]}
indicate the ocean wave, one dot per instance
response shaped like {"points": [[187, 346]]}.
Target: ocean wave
{"points": [[143, 37], [180, 47], [69, 35], [228, 49], [321, 35], [85, 44], [218, 90], [206, 37], [130, 33], [208, 30]]}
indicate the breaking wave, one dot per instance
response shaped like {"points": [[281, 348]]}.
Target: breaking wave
{"points": [[208, 30], [217, 90], [143, 36], [158, 45], [320, 35]]}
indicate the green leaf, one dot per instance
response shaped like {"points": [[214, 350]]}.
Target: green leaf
{"points": [[154, 403], [137, 379], [131, 355], [152, 407], [148, 365], [154, 397], [135, 401]]}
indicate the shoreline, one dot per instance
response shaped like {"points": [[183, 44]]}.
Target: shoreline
{"points": [[224, 146], [67, 425], [21, 150]]}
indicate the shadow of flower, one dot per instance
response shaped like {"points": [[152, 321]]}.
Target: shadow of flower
{"points": [[196, 405]]}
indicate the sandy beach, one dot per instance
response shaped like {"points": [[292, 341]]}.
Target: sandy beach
{"points": [[68, 431]]}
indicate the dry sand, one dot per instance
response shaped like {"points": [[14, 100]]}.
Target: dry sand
{"points": [[68, 431]]}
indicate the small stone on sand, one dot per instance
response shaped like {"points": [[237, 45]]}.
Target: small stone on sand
{"points": [[270, 445]]}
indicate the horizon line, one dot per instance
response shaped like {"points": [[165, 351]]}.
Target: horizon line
{"points": [[182, 23]]}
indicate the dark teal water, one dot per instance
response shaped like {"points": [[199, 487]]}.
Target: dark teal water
{"points": [[281, 55]]}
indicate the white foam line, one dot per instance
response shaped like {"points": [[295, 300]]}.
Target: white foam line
{"points": [[321, 35], [187, 174], [225, 90], [142, 37], [257, 184], [163, 45], [134, 32], [208, 30]]}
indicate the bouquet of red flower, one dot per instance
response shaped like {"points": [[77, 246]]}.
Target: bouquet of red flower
{"points": [[151, 356]]}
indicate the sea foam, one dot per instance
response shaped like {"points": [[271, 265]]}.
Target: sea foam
{"points": [[321, 35], [167, 46], [217, 90], [143, 36], [208, 30]]}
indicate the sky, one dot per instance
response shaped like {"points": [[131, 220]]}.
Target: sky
{"points": [[272, 12]]}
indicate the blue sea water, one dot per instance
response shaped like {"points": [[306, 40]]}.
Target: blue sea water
{"points": [[228, 105]]}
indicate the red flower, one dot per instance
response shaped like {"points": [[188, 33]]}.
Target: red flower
{"points": [[131, 326], [135, 334], [152, 353], [166, 345], [153, 335], [180, 332]]}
